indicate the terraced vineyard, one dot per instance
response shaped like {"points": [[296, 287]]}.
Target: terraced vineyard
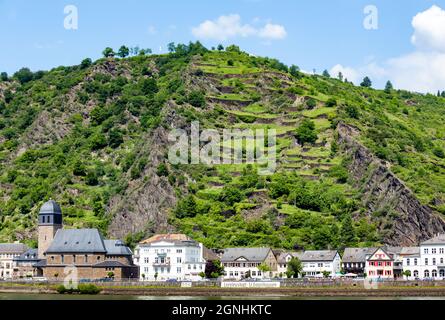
{"points": [[355, 166]]}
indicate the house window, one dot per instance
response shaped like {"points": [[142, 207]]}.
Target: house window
{"points": [[425, 251], [426, 261], [320, 265], [415, 262], [179, 260], [62, 257], [426, 274], [434, 261], [146, 260], [178, 270], [407, 262], [433, 251], [178, 250], [86, 258], [74, 258], [441, 260], [416, 273], [434, 273], [441, 250]]}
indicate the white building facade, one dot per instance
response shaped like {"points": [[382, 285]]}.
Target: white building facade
{"points": [[318, 263], [170, 257], [428, 262], [245, 263], [9, 251]]}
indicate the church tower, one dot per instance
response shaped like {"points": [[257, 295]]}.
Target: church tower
{"points": [[50, 220]]}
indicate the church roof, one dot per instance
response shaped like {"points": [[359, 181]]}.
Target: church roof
{"points": [[50, 207], [77, 241], [117, 248]]}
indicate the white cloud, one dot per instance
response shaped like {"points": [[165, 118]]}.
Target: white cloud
{"points": [[348, 73], [418, 71], [231, 26], [272, 31], [429, 29], [422, 70]]}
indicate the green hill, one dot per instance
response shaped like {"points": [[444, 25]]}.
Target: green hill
{"points": [[356, 166]]}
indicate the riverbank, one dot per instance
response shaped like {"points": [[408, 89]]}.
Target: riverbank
{"points": [[381, 292]]}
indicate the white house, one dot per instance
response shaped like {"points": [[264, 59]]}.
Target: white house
{"points": [[170, 257], [315, 263], [9, 251], [242, 263], [428, 262]]}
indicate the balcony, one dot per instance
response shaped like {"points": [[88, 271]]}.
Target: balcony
{"points": [[162, 263]]}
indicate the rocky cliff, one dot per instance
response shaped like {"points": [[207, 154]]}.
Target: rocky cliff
{"points": [[410, 221]]}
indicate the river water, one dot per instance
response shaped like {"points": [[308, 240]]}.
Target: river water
{"points": [[19, 296]]}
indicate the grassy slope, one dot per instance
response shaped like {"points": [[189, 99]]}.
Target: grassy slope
{"points": [[84, 168]]}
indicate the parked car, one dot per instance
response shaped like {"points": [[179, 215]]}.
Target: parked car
{"points": [[172, 280]]}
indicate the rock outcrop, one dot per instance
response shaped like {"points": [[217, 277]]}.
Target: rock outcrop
{"points": [[411, 221]]}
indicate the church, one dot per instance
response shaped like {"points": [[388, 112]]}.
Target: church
{"points": [[92, 256]]}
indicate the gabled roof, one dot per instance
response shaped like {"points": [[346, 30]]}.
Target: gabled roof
{"points": [[439, 239], [321, 255], [384, 251], [117, 248], [281, 257], [249, 254], [355, 255], [77, 241], [13, 248]]}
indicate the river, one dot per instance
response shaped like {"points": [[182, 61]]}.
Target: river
{"points": [[19, 296]]}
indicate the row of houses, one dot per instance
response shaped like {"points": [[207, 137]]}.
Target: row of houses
{"points": [[165, 257], [178, 257]]}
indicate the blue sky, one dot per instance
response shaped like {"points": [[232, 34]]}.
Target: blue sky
{"points": [[315, 34]]}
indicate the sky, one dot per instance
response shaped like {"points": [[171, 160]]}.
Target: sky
{"points": [[398, 40]]}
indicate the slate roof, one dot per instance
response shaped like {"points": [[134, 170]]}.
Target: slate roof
{"points": [[13, 248], [410, 251], [322, 255], [77, 241], [250, 254], [355, 255], [50, 207], [281, 257], [116, 248], [439, 239], [30, 255]]}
